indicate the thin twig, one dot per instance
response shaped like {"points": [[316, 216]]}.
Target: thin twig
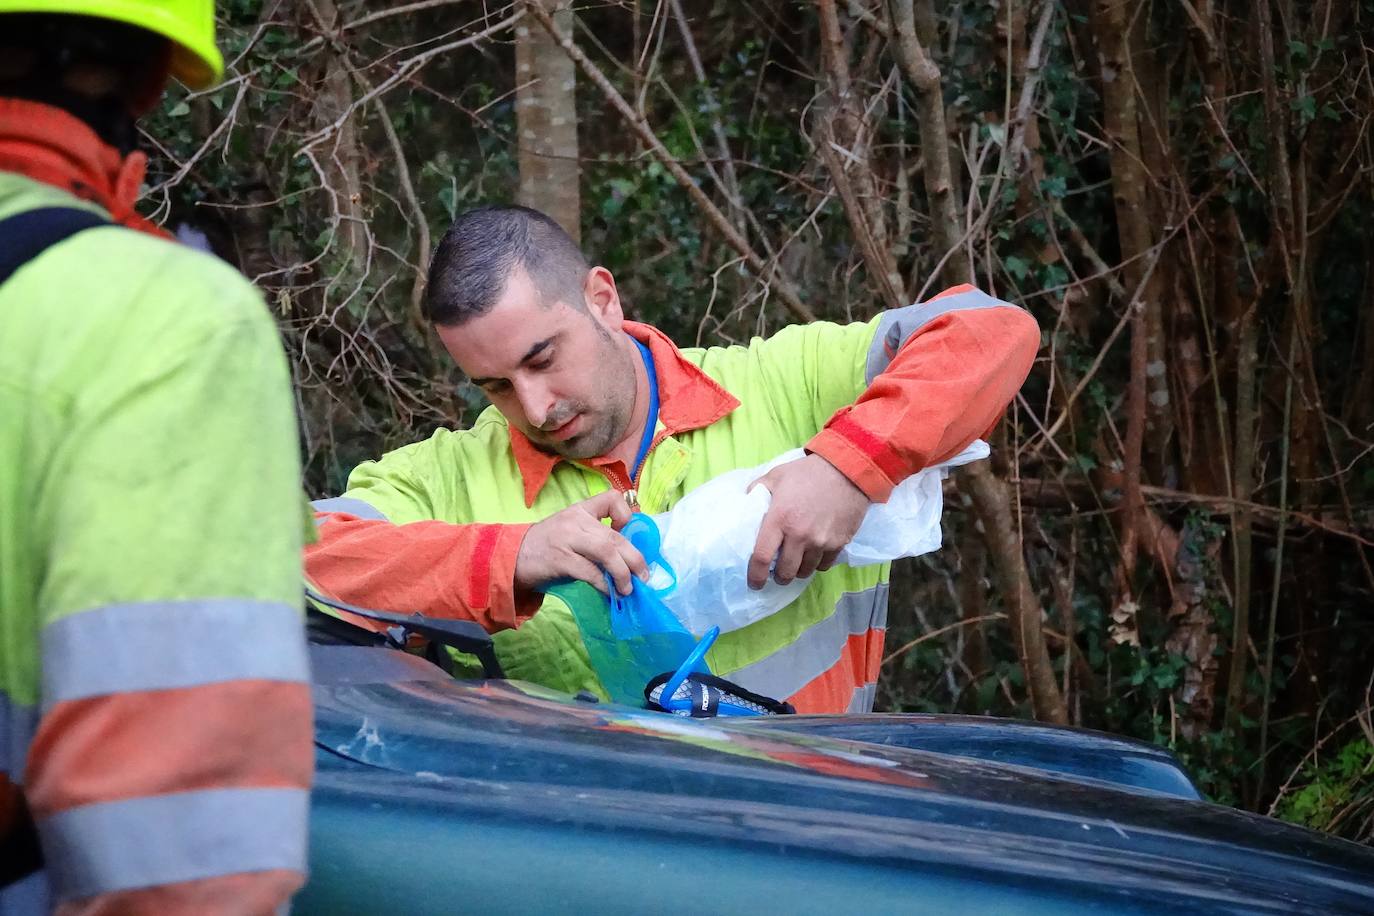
{"points": [[730, 182], [406, 68], [958, 624], [422, 241], [764, 271], [1278, 561]]}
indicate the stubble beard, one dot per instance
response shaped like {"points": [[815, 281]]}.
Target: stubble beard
{"points": [[610, 422]]}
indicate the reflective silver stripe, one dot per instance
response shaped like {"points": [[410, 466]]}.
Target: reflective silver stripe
{"points": [[862, 701], [896, 325], [160, 645], [18, 722], [163, 839], [879, 607], [348, 505], [818, 647]]}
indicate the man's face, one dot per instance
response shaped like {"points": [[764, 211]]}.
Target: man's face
{"points": [[560, 374]]}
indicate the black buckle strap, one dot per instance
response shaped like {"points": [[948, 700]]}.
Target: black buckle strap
{"points": [[708, 692], [463, 635], [26, 235], [20, 854]]}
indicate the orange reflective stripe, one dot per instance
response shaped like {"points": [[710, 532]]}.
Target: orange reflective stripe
{"points": [[857, 667], [874, 642], [259, 892], [237, 734]]}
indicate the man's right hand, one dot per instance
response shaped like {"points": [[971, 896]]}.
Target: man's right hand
{"points": [[573, 544]]}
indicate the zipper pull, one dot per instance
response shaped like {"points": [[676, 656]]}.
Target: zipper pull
{"points": [[632, 500]]}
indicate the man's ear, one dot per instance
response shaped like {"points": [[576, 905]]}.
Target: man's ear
{"points": [[602, 298]]}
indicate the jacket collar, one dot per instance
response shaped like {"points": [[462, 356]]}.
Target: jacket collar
{"points": [[49, 145], [687, 399]]}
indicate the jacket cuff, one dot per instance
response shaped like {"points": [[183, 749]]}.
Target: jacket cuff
{"points": [[493, 575], [852, 461]]}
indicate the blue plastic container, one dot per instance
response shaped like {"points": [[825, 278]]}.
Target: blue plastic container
{"points": [[631, 639]]}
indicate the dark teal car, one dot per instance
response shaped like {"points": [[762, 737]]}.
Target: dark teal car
{"points": [[436, 795]]}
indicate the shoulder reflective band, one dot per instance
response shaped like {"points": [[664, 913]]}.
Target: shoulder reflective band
{"points": [[897, 325], [347, 505]]}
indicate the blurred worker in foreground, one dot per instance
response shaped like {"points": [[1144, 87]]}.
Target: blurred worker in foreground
{"points": [[591, 411], [155, 733]]}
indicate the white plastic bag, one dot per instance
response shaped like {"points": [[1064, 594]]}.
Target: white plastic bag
{"points": [[709, 536]]}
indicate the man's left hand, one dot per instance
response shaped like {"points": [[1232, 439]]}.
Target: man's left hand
{"points": [[814, 513]]}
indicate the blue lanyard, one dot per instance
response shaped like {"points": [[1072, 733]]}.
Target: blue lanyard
{"points": [[652, 420]]}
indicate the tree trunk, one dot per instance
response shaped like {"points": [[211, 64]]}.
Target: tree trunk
{"points": [[767, 272], [843, 137], [924, 76], [546, 120], [1148, 80], [340, 155], [972, 571], [1148, 382], [990, 496], [993, 505], [1194, 635]]}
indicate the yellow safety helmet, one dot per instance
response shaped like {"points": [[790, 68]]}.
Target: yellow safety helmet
{"points": [[190, 24]]}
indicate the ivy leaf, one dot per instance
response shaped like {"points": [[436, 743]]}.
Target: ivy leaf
{"points": [[1055, 187], [1306, 107]]}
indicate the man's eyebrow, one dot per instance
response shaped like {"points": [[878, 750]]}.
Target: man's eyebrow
{"points": [[538, 348], [530, 354]]}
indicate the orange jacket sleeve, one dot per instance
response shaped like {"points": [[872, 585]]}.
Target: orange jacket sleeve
{"points": [[464, 572], [942, 373]]}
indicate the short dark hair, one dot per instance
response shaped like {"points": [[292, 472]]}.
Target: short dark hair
{"points": [[476, 256]]}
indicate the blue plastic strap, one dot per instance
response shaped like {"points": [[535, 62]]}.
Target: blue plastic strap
{"points": [[696, 661], [644, 634], [643, 534], [652, 420]]}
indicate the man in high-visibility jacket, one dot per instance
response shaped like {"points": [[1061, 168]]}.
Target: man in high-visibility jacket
{"points": [[469, 523], [155, 737]]}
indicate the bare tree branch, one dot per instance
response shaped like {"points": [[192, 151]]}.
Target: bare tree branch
{"points": [[764, 271]]}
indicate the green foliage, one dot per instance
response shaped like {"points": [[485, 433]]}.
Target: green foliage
{"points": [[1337, 794], [238, 161]]}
